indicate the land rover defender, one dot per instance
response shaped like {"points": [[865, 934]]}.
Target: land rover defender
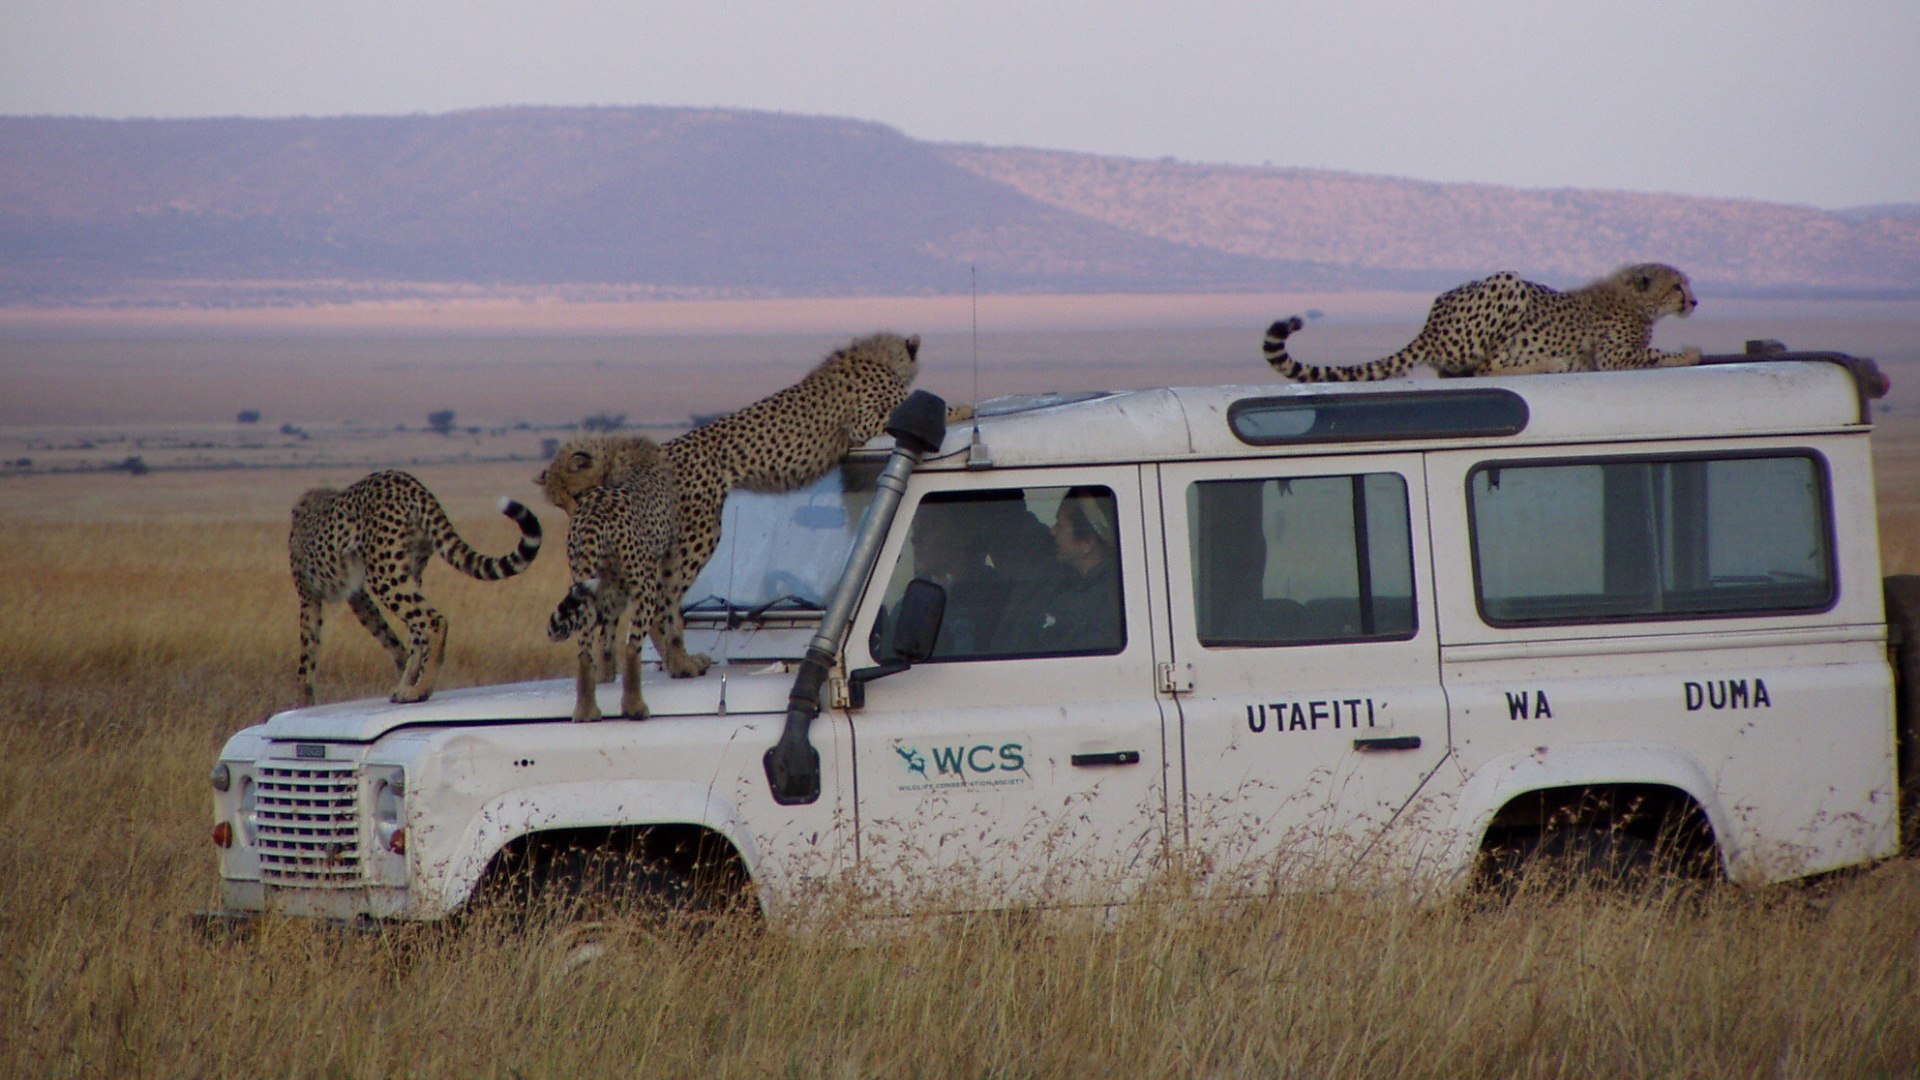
{"points": [[1275, 636]]}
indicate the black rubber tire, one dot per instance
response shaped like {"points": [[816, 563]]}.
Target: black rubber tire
{"points": [[1572, 857], [589, 883]]}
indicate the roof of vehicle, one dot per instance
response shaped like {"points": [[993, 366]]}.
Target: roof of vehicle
{"points": [[1170, 423]]}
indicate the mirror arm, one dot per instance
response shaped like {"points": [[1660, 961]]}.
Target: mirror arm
{"points": [[858, 679]]}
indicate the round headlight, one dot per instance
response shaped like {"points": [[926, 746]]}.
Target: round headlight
{"points": [[222, 777]]}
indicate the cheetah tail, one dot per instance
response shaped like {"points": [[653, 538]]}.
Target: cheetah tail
{"points": [[488, 567], [1275, 350], [576, 611]]}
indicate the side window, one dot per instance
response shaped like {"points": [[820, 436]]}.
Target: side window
{"points": [[1304, 560], [1613, 540], [1028, 572]]}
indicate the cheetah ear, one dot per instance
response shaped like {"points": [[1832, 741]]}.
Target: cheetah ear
{"points": [[581, 459], [913, 347], [1646, 282], [541, 480]]}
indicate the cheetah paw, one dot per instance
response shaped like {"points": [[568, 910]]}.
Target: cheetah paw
{"points": [[689, 665]]}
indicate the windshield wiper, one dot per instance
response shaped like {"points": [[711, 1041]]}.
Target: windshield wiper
{"points": [[718, 605], [736, 615], [787, 602]]}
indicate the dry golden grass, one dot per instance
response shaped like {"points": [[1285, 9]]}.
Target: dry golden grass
{"points": [[135, 637], [1896, 467]]}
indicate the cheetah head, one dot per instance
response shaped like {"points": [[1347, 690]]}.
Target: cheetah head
{"points": [[313, 500], [1661, 288], [901, 355], [598, 459], [575, 467]]}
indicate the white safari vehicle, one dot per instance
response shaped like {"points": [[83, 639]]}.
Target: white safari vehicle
{"points": [[1267, 637]]}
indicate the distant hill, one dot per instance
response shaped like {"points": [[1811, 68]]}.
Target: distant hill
{"points": [[1907, 211], [644, 202], [1452, 231]]}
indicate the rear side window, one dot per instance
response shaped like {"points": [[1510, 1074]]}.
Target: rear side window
{"points": [[1649, 539], [1301, 561]]}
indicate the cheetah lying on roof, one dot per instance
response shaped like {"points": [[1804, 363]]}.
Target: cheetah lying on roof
{"points": [[371, 542], [1502, 325], [779, 443]]}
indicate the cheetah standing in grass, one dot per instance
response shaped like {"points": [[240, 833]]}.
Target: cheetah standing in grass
{"points": [[779, 443], [372, 542], [1502, 325]]}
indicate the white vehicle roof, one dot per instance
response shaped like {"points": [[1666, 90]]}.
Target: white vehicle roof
{"points": [[1173, 423]]}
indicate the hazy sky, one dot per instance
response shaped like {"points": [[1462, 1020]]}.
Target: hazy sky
{"points": [[1786, 100]]}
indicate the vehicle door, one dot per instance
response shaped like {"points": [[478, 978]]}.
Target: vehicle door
{"points": [[1024, 761], [1680, 614], [1302, 611]]}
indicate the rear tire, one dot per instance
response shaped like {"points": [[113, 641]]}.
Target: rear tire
{"points": [[1629, 838], [1573, 858]]}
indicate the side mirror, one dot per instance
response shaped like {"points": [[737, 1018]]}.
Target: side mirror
{"points": [[916, 620], [916, 627]]}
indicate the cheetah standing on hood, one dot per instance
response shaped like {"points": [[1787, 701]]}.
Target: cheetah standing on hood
{"points": [[782, 442]]}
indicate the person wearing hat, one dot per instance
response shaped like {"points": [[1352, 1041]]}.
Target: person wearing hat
{"points": [[1076, 609]]}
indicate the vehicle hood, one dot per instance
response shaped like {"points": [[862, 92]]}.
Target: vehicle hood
{"points": [[721, 691]]}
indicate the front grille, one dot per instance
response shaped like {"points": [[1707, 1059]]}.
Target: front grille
{"points": [[307, 817]]}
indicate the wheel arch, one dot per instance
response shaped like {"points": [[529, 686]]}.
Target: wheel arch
{"points": [[1592, 784], [662, 819]]}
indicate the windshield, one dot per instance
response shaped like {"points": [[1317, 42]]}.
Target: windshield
{"points": [[783, 552]]}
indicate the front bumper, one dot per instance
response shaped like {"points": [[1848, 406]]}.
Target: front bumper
{"points": [[336, 904]]}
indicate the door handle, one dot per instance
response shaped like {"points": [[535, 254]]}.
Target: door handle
{"points": [[1111, 757], [1389, 742]]}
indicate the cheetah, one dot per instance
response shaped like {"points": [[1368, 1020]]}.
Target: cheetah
{"points": [[1502, 325], [779, 443], [372, 542], [618, 543], [580, 466]]}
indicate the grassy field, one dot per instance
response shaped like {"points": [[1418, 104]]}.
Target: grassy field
{"points": [[143, 619], [130, 649]]}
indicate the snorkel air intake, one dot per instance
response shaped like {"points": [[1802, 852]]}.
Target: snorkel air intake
{"points": [[918, 428]]}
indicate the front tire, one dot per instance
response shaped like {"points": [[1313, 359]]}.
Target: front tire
{"points": [[650, 873]]}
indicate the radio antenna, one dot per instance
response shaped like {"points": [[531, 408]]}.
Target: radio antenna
{"points": [[973, 278], [977, 456]]}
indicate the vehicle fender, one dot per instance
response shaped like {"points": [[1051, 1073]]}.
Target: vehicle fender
{"points": [[551, 807], [1509, 776]]}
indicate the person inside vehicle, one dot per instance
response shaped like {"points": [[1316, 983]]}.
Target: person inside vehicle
{"points": [[1075, 608], [948, 550]]}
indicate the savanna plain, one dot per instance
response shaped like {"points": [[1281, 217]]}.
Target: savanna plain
{"points": [[146, 613]]}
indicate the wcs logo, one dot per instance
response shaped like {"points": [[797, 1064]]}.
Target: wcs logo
{"points": [[963, 763]]}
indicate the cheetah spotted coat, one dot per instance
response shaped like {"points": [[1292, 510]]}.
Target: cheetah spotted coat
{"points": [[781, 442], [618, 543], [371, 543], [1502, 325]]}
